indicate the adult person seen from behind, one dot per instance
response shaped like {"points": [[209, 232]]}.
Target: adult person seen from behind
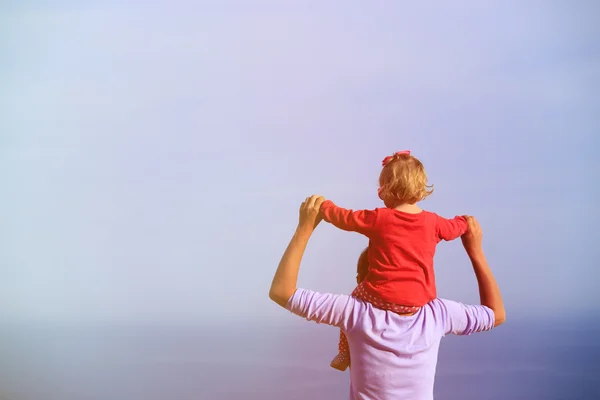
{"points": [[394, 354]]}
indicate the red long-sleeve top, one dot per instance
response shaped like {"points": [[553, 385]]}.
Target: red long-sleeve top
{"points": [[401, 249]]}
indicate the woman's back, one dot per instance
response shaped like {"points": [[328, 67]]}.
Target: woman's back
{"points": [[395, 356]]}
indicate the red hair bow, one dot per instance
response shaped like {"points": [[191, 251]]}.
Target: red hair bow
{"points": [[389, 158]]}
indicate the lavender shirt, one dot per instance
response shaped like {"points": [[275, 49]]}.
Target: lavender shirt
{"points": [[393, 357]]}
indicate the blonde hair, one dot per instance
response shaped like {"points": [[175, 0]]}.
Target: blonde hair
{"points": [[403, 181]]}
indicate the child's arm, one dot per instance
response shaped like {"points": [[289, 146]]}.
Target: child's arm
{"points": [[362, 221], [450, 229]]}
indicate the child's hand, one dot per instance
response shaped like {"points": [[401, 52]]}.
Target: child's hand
{"points": [[473, 238], [310, 214]]}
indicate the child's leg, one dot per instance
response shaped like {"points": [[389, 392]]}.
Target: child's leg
{"points": [[342, 360]]}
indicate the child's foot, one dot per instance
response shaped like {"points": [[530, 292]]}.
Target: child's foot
{"points": [[341, 362]]}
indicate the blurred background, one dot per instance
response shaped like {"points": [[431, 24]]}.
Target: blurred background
{"points": [[153, 156]]}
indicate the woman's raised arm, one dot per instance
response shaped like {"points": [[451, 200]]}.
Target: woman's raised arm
{"points": [[489, 292], [286, 276]]}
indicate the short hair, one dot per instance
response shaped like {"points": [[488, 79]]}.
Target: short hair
{"points": [[403, 181]]}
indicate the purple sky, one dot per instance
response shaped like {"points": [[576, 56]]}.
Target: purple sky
{"points": [[153, 156]]}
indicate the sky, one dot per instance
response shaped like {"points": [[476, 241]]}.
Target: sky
{"points": [[153, 155]]}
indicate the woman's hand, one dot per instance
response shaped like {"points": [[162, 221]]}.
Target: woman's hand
{"points": [[472, 240], [286, 277], [310, 214]]}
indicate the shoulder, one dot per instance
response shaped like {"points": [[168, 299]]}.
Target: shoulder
{"points": [[326, 308], [429, 219], [430, 214], [438, 308], [445, 306], [433, 219], [461, 319], [441, 307]]}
